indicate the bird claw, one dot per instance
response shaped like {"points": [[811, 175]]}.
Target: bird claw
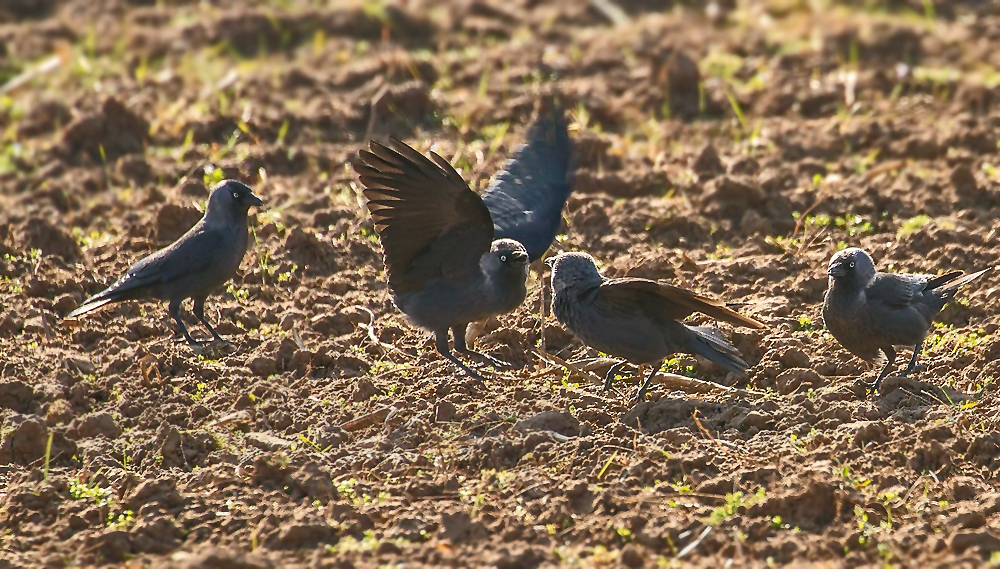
{"points": [[638, 397], [869, 387], [497, 364], [198, 346], [488, 360], [915, 369], [471, 373]]}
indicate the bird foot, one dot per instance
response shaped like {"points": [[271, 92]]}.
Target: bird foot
{"points": [[638, 397], [199, 346], [868, 387], [915, 369], [471, 373], [636, 400], [488, 360]]}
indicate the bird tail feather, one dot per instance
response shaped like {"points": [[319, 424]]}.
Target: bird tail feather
{"points": [[713, 346], [967, 278], [947, 287], [95, 302]]}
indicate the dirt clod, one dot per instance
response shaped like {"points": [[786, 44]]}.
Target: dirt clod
{"points": [[562, 423], [107, 134]]}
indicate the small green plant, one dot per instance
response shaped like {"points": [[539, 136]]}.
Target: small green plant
{"points": [[734, 502], [200, 391], [786, 244], [797, 445], [912, 225], [122, 521], [370, 235], [858, 483], [804, 324], [89, 492], [241, 295], [212, 175], [959, 342], [287, 275], [854, 225], [681, 486], [721, 252], [673, 365], [48, 456]]}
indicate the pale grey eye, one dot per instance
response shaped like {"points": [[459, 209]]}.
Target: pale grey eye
{"points": [[236, 196], [851, 265], [503, 258]]}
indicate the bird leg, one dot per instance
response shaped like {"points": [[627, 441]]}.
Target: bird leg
{"points": [[913, 359], [645, 385], [890, 360], [458, 332], [541, 306], [611, 374], [199, 312], [174, 309], [441, 342]]}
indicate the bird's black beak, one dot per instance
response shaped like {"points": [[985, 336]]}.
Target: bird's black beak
{"points": [[837, 270], [254, 200], [520, 256]]}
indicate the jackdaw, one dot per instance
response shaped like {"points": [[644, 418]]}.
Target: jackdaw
{"points": [[638, 319], [868, 312], [199, 262], [527, 196], [453, 257]]}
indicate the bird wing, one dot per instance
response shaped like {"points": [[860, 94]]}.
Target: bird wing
{"points": [[193, 253], [632, 296], [196, 251], [899, 290], [430, 223], [527, 196]]}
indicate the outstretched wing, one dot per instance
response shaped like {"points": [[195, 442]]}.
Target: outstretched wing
{"points": [[631, 296], [430, 223], [527, 196]]}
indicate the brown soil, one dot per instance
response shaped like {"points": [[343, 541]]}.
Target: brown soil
{"points": [[331, 434]]}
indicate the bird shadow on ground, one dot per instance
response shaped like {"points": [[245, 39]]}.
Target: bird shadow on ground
{"points": [[897, 391], [669, 413]]}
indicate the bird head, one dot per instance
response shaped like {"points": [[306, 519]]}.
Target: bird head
{"points": [[573, 269], [507, 256], [232, 199], [854, 266]]}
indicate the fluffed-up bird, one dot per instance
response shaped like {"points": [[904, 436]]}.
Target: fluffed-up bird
{"points": [[870, 312]]}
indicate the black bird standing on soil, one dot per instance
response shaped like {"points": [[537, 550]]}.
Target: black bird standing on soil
{"points": [[638, 319], [454, 257], [202, 260], [868, 312]]}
